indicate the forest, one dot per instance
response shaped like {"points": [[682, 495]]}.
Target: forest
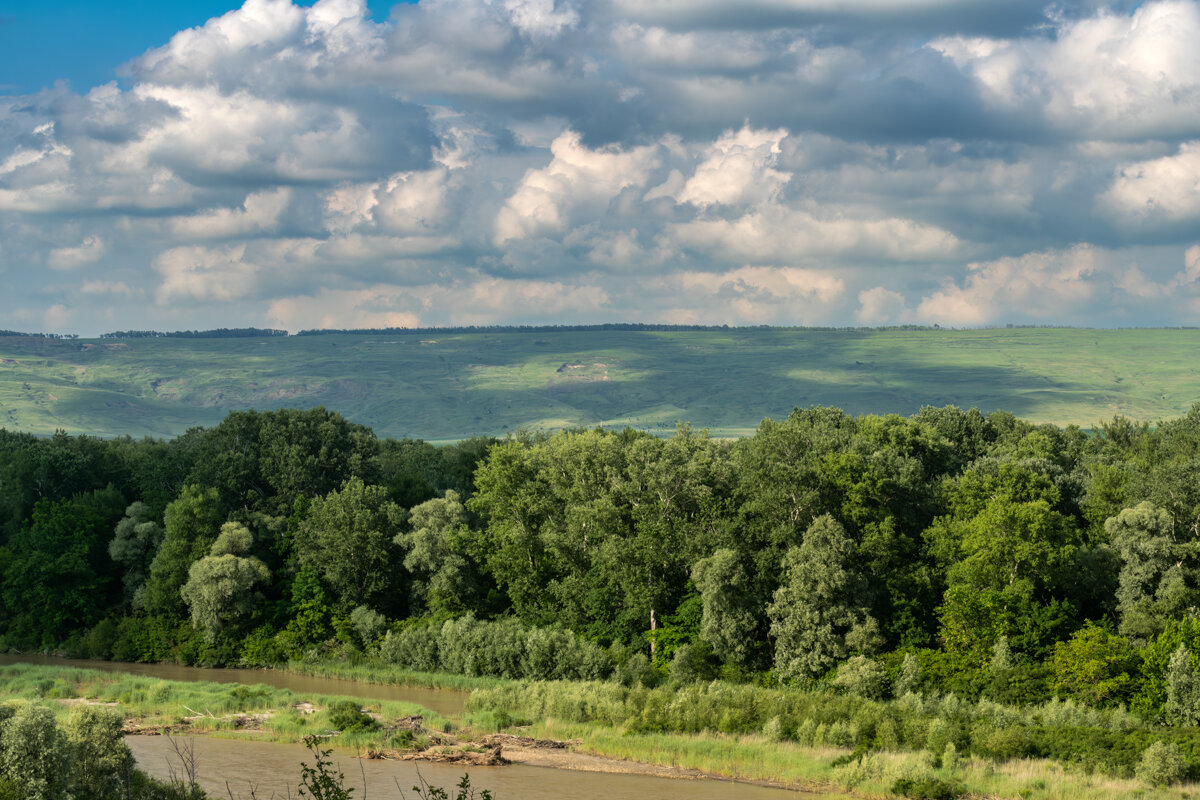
{"points": [[948, 553]]}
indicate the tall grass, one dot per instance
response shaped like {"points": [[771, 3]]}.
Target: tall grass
{"points": [[372, 671], [219, 708]]}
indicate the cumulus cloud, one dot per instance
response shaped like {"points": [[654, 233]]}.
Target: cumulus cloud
{"points": [[66, 258], [964, 162]]}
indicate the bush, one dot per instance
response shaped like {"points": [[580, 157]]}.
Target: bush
{"points": [[368, 624], [414, 647], [1162, 764], [693, 663], [34, 754], [862, 677], [926, 789], [101, 758], [348, 717]]}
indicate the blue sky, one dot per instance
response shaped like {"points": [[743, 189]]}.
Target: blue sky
{"points": [[815, 162], [85, 42]]}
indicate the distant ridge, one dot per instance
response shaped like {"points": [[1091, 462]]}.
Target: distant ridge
{"points": [[456, 382]]}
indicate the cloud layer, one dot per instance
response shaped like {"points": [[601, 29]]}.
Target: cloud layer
{"points": [[961, 162]]}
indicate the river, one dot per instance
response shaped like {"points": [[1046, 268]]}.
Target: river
{"points": [[443, 701], [272, 769]]}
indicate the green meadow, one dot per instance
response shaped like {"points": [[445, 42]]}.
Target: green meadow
{"points": [[447, 386]]}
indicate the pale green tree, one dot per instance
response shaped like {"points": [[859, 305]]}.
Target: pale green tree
{"points": [[192, 523], [220, 586], [728, 624], [35, 757], [1183, 689], [103, 762], [819, 614], [445, 580], [134, 544], [1158, 578]]}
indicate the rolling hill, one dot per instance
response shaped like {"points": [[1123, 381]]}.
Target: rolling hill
{"points": [[448, 385]]}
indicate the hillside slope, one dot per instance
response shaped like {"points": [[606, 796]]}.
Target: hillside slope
{"points": [[448, 386]]}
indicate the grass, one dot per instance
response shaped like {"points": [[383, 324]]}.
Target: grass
{"points": [[215, 708], [458, 385], [374, 672]]}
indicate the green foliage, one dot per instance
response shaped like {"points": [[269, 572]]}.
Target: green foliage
{"points": [[817, 613], [347, 539], [1158, 572], [191, 525], [35, 756], [729, 625], [322, 780], [928, 788], [1183, 688], [443, 554], [102, 761], [862, 676], [220, 587], [1162, 764], [57, 578], [1096, 667], [134, 545], [369, 624], [465, 791], [693, 662], [348, 717]]}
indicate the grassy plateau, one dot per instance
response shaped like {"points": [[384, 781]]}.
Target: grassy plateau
{"points": [[443, 387]]}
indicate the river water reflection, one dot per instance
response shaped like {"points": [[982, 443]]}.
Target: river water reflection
{"points": [[274, 769], [443, 701]]}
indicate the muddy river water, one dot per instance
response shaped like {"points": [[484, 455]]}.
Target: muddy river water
{"points": [[265, 770], [274, 769]]}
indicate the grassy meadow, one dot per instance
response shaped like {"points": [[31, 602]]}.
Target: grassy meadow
{"points": [[444, 387], [283, 716]]}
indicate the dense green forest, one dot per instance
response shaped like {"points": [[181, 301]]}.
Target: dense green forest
{"points": [[979, 553]]}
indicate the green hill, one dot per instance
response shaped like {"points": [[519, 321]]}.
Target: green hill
{"points": [[444, 385]]}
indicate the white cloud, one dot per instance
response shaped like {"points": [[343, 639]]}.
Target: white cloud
{"points": [[1159, 190], [779, 233], [478, 300], [1048, 286], [881, 306], [91, 249], [576, 177], [1109, 75], [202, 274], [737, 170], [260, 212]]}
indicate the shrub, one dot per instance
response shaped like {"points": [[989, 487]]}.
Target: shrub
{"points": [[101, 758], [34, 754], [637, 671], [863, 677], [1162, 764], [692, 663], [368, 624], [348, 717], [928, 788]]}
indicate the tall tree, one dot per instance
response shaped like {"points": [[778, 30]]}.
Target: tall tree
{"points": [[1158, 577], [220, 587], [134, 545], [819, 614], [348, 539], [192, 523]]}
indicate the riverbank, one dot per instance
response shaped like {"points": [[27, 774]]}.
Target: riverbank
{"points": [[409, 731]]}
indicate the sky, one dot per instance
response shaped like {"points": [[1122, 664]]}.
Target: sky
{"points": [[795, 162]]}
